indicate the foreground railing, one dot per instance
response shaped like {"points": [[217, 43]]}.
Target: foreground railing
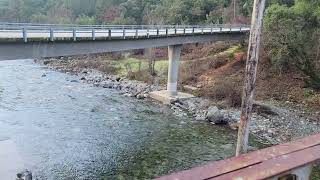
{"points": [[290, 161], [53, 32]]}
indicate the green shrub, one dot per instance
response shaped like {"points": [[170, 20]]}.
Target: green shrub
{"points": [[291, 38]]}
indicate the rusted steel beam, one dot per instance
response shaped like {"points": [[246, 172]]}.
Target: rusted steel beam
{"points": [[214, 169], [276, 166]]}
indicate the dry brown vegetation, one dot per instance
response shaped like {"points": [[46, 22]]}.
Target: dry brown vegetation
{"points": [[227, 91]]}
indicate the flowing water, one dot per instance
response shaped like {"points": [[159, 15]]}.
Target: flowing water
{"points": [[62, 129]]}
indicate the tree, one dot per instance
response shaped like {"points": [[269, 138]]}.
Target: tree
{"points": [[116, 11], [292, 38], [15, 11], [250, 76], [109, 14], [85, 20], [39, 18]]}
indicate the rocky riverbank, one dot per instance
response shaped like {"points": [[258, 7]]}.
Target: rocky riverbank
{"points": [[271, 124]]}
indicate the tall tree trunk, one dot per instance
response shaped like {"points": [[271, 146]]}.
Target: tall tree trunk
{"points": [[250, 76], [151, 60], [234, 11]]}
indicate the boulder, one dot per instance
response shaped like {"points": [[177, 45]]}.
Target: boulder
{"points": [[140, 96], [215, 116]]}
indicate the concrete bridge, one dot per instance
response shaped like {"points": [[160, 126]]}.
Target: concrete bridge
{"points": [[24, 40]]}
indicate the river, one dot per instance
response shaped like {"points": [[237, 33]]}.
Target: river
{"points": [[59, 128]]}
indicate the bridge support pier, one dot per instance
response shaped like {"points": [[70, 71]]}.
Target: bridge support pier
{"points": [[174, 52], [171, 94]]}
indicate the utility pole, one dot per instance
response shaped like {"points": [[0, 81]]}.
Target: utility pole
{"points": [[250, 75]]}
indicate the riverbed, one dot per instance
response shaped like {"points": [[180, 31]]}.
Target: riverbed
{"points": [[59, 128]]}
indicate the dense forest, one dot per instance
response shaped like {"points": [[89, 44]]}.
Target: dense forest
{"points": [[291, 35], [121, 11]]}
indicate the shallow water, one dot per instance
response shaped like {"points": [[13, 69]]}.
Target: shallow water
{"points": [[60, 129]]}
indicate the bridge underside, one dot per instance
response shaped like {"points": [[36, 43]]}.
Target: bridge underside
{"points": [[38, 49]]}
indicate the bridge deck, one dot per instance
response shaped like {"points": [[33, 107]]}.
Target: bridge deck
{"points": [[261, 164], [50, 32]]}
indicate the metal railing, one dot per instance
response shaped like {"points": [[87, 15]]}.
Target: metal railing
{"points": [[290, 161], [52, 32]]}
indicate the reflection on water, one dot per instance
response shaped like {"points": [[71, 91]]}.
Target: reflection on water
{"points": [[68, 130]]}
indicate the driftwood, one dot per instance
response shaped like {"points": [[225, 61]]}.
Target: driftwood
{"points": [[250, 76]]}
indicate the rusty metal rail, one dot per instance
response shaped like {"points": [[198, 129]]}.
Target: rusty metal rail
{"points": [[287, 161]]}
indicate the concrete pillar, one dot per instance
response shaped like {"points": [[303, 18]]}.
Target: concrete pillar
{"points": [[174, 52]]}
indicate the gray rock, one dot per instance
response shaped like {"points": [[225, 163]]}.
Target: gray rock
{"points": [[116, 85], [214, 115], [200, 117], [190, 88], [28, 175], [181, 105], [74, 81], [96, 84], [107, 85], [19, 176], [118, 79], [127, 95], [84, 72], [140, 96]]}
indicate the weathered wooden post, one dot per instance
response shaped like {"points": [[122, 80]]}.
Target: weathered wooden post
{"points": [[250, 76]]}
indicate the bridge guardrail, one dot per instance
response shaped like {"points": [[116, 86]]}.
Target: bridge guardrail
{"points": [[52, 31]]}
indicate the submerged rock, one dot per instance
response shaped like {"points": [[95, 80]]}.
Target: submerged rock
{"points": [[19, 176], [74, 81], [26, 175]]}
